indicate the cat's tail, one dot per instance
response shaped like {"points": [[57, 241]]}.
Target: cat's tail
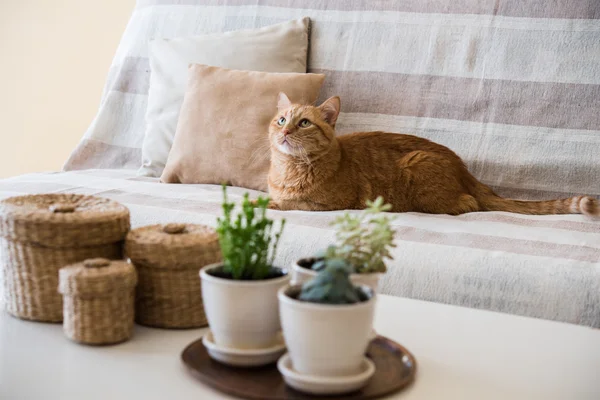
{"points": [[574, 205]]}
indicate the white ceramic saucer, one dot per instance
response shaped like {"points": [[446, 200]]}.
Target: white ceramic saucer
{"points": [[243, 357], [322, 385]]}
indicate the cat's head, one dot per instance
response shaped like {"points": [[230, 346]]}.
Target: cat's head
{"points": [[303, 130]]}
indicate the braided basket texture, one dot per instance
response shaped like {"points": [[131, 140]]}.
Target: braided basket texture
{"points": [[168, 259], [99, 297], [39, 234]]}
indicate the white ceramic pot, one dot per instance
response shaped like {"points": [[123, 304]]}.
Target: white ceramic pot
{"points": [[301, 274], [242, 314], [323, 339]]}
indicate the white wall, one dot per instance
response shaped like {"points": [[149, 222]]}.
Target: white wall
{"points": [[54, 57]]}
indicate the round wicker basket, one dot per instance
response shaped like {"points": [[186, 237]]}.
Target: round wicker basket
{"points": [[39, 234], [168, 259], [99, 297]]}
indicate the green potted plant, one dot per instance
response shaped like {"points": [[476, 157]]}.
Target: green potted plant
{"points": [[240, 293], [364, 240], [327, 324]]}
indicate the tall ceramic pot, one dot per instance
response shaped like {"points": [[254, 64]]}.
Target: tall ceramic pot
{"points": [[242, 314]]}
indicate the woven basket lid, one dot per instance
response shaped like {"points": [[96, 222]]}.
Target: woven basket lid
{"points": [[97, 277], [173, 246], [63, 220]]}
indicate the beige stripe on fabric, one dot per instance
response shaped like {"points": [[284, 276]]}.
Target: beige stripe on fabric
{"points": [[586, 9], [554, 105], [495, 243], [94, 154]]}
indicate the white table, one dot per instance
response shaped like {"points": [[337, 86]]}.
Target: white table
{"points": [[461, 353]]}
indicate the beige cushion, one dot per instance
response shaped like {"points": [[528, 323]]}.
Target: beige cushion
{"points": [[276, 48], [222, 133]]}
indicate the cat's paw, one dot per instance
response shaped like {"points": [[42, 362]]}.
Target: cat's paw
{"points": [[273, 206]]}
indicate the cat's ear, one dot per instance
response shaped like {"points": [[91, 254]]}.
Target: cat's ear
{"points": [[330, 110], [283, 101]]}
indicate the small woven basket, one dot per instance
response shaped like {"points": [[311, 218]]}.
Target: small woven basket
{"points": [[168, 259], [99, 297], [39, 234]]}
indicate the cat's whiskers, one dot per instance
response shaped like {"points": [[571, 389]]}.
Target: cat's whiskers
{"points": [[300, 155], [260, 152], [294, 144]]}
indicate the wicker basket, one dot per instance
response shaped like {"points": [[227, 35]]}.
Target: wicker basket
{"points": [[39, 234], [168, 259], [99, 297]]}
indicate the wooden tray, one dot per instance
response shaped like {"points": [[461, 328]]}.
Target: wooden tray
{"points": [[395, 369]]}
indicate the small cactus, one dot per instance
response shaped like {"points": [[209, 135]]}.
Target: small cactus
{"points": [[332, 286]]}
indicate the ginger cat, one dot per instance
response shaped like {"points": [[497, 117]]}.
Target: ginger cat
{"points": [[313, 170]]}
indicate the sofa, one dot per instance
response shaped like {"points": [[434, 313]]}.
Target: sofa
{"points": [[512, 86]]}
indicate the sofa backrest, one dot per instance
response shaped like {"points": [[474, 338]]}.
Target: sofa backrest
{"points": [[513, 86]]}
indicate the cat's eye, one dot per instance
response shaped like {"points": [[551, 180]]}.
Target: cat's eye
{"points": [[281, 121], [304, 123]]}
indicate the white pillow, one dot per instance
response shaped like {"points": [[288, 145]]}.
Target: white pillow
{"points": [[277, 48]]}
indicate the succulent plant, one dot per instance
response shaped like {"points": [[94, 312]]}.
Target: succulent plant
{"points": [[332, 286], [363, 241], [248, 241]]}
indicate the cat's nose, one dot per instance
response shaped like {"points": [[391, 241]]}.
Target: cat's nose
{"points": [[286, 132]]}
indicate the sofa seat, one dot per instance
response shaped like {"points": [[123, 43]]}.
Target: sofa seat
{"points": [[537, 266]]}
